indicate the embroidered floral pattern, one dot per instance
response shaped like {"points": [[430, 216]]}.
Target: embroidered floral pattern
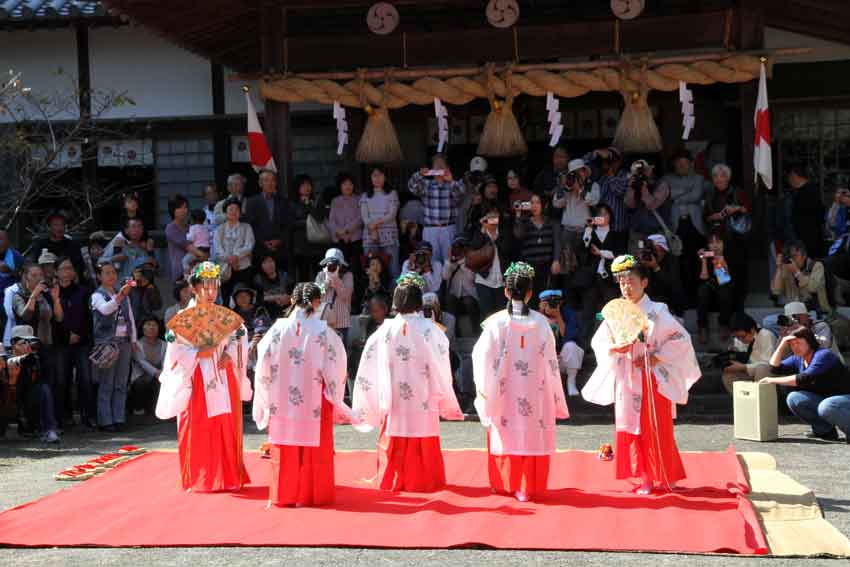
{"points": [[276, 337], [296, 355], [662, 373], [296, 398], [425, 406], [370, 351], [503, 386], [403, 353], [427, 335], [322, 339], [441, 348], [331, 388], [542, 350], [212, 385], [405, 392], [524, 407], [363, 383], [331, 353], [522, 368], [504, 421], [268, 379], [317, 412], [272, 410], [541, 424]]}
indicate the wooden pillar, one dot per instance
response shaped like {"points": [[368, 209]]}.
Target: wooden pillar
{"points": [[89, 149], [277, 124], [221, 140], [750, 36]]}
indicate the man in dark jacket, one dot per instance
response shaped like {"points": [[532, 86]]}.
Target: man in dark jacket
{"points": [[58, 243], [807, 211], [267, 214]]}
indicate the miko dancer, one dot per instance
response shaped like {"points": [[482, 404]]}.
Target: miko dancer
{"points": [[301, 370], [520, 394], [204, 388], [404, 386], [644, 379]]}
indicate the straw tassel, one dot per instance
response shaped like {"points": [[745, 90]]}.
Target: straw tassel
{"points": [[522, 341]]}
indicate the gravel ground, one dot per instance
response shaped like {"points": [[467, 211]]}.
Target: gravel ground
{"points": [[26, 473]]}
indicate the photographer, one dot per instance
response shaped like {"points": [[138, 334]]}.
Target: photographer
{"points": [[821, 396], [654, 253], [574, 200], [753, 348], [489, 199], [489, 255], [613, 183], [460, 296], [441, 197], [145, 299], [799, 278], [38, 305], [338, 285], [539, 241], [420, 262], [715, 289], [796, 315], [377, 280], [35, 408], [565, 327], [516, 192], [445, 321], [649, 202], [548, 181]]}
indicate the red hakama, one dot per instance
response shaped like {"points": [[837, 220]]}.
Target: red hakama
{"points": [[639, 454], [410, 464], [304, 476], [510, 474], [211, 447]]}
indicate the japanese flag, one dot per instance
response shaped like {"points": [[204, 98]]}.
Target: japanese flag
{"points": [[261, 156], [761, 152]]}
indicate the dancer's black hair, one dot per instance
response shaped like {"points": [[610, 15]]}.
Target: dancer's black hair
{"points": [[407, 298], [518, 286], [309, 293]]}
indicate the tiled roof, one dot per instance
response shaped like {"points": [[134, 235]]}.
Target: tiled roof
{"points": [[34, 10]]}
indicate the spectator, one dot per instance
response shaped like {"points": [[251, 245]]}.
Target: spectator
{"points": [[516, 192], [115, 328], [539, 241], [236, 184], [37, 304], [473, 180], [198, 236], [664, 285], [272, 287], [821, 396], [489, 256], [132, 211], [57, 242], [378, 210], [807, 211], [92, 254], [726, 209], [565, 326], [411, 238], [11, 262], [613, 183], [800, 278], [257, 319], [346, 224], [128, 249], [182, 293], [148, 358], [836, 216], [7, 408], [796, 315], [756, 344], [304, 253], [649, 202], [461, 297], [601, 246], [47, 263], [35, 408], [375, 312], [686, 217], [267, 216], [422, 263], [715, 289], [175, 234], [488, 199], [549, 179], [445, 321], [338, 285], [441, 197], [145, 299], [72, 341], [211, 199], [9, 311], [234, 242], [575, 202]]}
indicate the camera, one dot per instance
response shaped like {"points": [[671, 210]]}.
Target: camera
{"points": [[48, 282], [522, 205], [786, 259], [428, 312], [568, 179], [785, 321], [420, 257], [639, 175], [647, 255], [707, 254], [332, 267]]}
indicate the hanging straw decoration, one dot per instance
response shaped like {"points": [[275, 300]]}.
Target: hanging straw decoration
{"points": [[379, 142], [501, 136], [637, 132]]}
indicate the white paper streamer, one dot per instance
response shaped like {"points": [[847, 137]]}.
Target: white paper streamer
{"points": [[556, 129], [686, 97], [341, 127], [442, 115]]}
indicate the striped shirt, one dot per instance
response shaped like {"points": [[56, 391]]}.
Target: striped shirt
{"points": [[440, 199], [380, 206], [336, 301], [539, 245], [612, 193]]}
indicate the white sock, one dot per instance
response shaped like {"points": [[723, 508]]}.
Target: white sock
{"points": [[571, 382]]}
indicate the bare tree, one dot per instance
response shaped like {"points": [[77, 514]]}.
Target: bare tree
{"points": [[41, 135]]}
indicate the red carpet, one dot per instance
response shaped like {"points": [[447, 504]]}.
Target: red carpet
{"points": [[139, 504]]}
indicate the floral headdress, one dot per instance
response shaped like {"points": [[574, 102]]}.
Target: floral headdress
{"points": [[411, 278], [207, 271], [623, 264], [521, 269]]}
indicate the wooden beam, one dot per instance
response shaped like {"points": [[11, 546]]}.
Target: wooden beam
{"points": [[750, 36], [89, 147], [278, 122]]}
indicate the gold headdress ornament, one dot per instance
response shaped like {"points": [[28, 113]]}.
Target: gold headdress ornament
{"points": [[207, 271], [521, 269], [622, 264]]}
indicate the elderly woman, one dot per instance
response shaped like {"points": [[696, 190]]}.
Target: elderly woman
{"points": [[233, 243], [821, 383], [726, 213]]}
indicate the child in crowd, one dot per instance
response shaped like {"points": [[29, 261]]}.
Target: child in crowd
{"points": [[198, 236]]}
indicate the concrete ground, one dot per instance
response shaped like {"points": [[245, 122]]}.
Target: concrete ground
{"points": [[26, 473]]}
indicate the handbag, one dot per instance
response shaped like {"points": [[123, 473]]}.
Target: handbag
{"points": [[104, 355], [478, 260], [741, 224], [317, 232], [673, 239]]}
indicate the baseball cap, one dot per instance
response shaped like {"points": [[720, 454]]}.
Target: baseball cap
{"points": [[795, 308], [478, 163], [659, 240], [575, 165]]}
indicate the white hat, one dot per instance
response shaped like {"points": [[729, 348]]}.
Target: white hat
{"points": [[46, 257], [478, 163], [795, 308], [575, 165], [659, 240], [430, 298], [334, 255], [23, 332]]}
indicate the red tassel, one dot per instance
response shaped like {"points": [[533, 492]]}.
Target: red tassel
{"points": [[404, 330], [522, 341], [297, 329]]}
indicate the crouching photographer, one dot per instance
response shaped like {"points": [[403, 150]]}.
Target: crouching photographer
{"points": [[35, 411], [459, 296], [422, 263]]}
